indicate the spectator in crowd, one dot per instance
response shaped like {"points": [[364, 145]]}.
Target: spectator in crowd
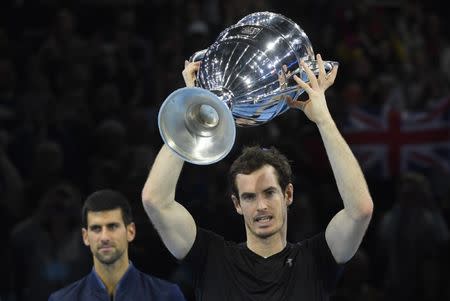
{"points": [[412, 235], [46, 249]]}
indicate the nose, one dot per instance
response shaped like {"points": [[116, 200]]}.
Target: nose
{"points": [[104, 235], [261, 204]]}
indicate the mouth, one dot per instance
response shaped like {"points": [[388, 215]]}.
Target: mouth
{"points": [[263, 219], [106, 249]]}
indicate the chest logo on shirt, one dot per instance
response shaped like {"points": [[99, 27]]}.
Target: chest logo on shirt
{"points": [[289, 262]]}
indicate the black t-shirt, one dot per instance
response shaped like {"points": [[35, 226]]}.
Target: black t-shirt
{"points": [[224, 270]]}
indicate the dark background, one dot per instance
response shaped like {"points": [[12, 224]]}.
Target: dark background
{"points": [[80, 88]]}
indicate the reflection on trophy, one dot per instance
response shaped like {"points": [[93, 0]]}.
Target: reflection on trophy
{"points": [[245, 79]]}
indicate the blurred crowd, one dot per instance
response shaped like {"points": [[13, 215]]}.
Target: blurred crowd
{"points": [[80, 89]]}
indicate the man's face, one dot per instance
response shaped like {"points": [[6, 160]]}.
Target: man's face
{"points": [[107, 236], [262, 202]]}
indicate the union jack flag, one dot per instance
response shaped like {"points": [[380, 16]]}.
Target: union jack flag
{"points": [[390, 142]]}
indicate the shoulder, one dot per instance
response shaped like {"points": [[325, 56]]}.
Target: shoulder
{"points": [[316, 241], [317, 251], [209, 249], [207, 237], [70, 292], [207, 242], [208, 234], [156, 283], [313, 247]]}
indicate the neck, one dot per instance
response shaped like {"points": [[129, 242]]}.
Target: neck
{"points": [[267, 246], [110, 274]]}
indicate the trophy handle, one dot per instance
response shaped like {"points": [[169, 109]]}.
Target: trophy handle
{"points": [[198, 56], [314, 66]]}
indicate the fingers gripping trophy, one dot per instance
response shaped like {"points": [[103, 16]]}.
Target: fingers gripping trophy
{"points": [[254, 71]]}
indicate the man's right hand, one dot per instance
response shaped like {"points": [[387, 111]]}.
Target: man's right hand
{"points": [[190, 72]]}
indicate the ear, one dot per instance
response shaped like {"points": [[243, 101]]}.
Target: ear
{"points": [[84, 234], [131, 232], [237, 204], [289, 194]]}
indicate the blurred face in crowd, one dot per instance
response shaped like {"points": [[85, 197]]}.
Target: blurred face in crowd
{"points": [[65, 22], [108, 236], [262, 202]]}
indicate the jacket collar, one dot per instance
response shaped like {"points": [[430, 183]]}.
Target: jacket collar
{"points": [[96, 284]]}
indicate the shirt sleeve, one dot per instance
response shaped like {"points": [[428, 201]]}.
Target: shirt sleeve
{"points": [[328, 268], [205, 242]]}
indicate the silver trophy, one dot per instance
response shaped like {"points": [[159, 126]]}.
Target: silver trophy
{"points": [[245, 79]]}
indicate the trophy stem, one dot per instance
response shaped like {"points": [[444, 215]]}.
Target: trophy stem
{"points": [[196, 125], [208, 116], [201, 119]]}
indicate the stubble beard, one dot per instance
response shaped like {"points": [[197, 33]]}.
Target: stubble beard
{"points": [[108, 259]]}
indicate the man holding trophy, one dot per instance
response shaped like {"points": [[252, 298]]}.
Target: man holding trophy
{"points": [[266, 266]]}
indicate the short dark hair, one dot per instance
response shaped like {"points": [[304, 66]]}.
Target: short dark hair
{"points": [[253, 158], [104, 200]]}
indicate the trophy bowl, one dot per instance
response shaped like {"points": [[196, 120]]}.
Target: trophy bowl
{"points": [[248, 73]]}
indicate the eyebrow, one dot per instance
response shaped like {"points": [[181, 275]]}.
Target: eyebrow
{"points": [[247, 194], [107, 225], [270, 189], [250, 194]]}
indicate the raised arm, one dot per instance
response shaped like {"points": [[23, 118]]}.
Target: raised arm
{"points": [[173, 222], [345, 231]]}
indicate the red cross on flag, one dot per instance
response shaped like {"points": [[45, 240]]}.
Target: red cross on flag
{"points": [[390, 141]]}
